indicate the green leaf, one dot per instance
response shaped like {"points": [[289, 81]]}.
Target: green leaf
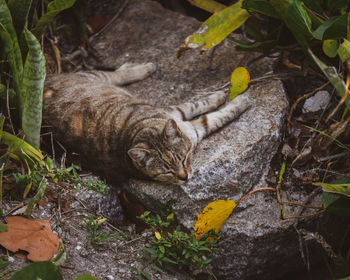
{"points": [[19, 11], [21, 149], [216, 28], [330, 48], [344, 51], [333, 28], [157, 268], [40, 193], [85, 277], [314, 5], [280, 6], [332, 76], [263, 47], [169, 260], [33, 80], [341, 189], [297, 18], [261, 6], [337, 203], [38, 270], [8, 39], [53, 8], [60, 256]]}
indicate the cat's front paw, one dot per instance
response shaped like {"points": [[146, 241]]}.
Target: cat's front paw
{"points": [[139, 71], [148, 67]]}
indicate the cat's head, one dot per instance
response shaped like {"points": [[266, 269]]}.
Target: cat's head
{"points": [[166, 157]]}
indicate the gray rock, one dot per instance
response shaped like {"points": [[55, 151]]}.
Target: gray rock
{"points": [[229, 163], [317, 102]]}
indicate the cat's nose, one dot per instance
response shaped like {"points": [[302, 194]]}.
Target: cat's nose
{"points": [[183, 176]]}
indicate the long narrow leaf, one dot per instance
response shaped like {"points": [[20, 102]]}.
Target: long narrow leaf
{"points": [[53, 9], [10, 44], [332, 76], [216, 28], [333, 28], [40, 193], [342, 189], [33, 80], [19, 11], [21, 148]]}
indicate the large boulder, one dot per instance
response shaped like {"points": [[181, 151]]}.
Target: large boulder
{"points": [[229, 163]]}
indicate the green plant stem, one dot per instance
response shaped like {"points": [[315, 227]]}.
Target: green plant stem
{"points": [[278, 188]]}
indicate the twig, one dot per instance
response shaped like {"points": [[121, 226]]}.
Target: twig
{"points": [[212, 274], [331, 157], [130, 241], [254, 191], [306, 216], [307, 200], [57, 55], [300, 204]]}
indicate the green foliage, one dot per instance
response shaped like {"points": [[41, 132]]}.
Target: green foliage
{"points": [[175, 248], [53, 8], [25, 59], [85, 277], [335, 196], [71, 174], [43, 270], [92, 226], [301, 18], [38, 270]]}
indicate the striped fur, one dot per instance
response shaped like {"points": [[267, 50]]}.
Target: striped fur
{"points": [[114, 130]]}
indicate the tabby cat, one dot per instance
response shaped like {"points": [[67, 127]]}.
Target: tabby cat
{"points": [[116, 131]]}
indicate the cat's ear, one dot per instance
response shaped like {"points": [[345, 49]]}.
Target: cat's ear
{"points": [[171, 130], [139, 156]]}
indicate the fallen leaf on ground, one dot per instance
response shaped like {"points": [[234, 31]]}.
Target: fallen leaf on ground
{"points": [[213, 217], [32, 236]]}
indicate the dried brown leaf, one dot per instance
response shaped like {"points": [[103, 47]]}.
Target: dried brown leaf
{"points": [[32, 236]]}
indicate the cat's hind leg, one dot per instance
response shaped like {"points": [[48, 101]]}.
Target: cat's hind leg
{"points": [[126, 74], [190, 110]]}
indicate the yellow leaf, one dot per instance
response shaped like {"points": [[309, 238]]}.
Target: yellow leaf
{"points": [[157, 234], [27, 189], [240, 79], [330, 48], [216, 28], [213, 217]]}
